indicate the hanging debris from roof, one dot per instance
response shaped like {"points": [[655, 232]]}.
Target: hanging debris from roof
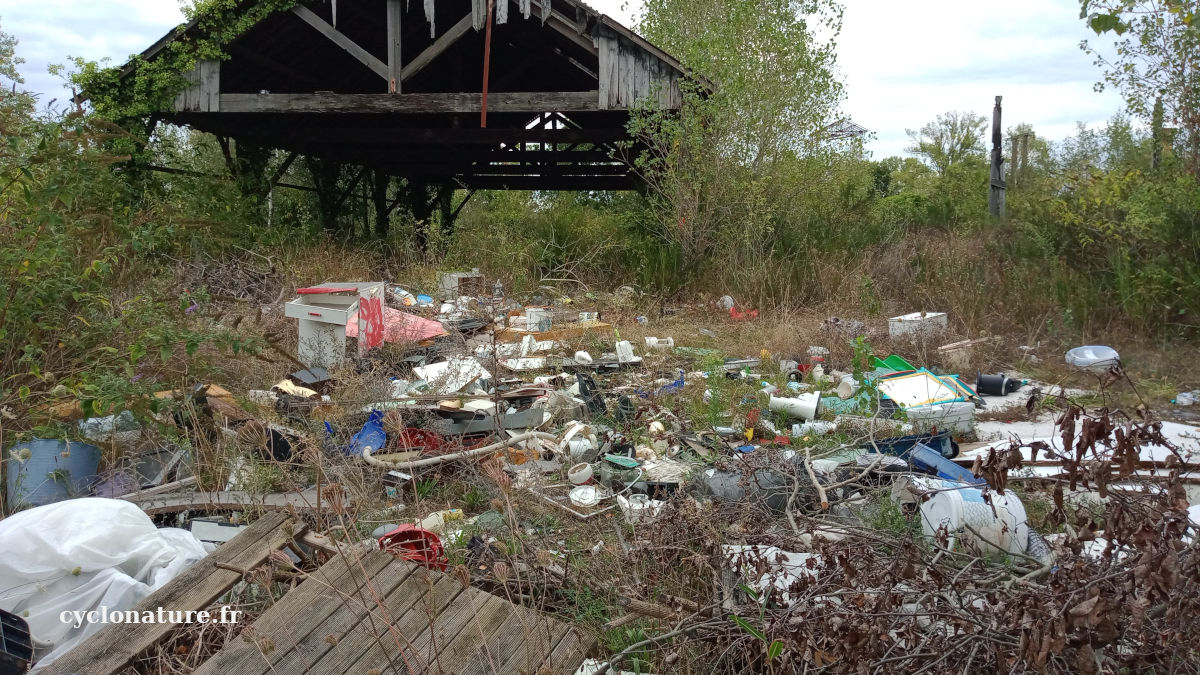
{"points": [[545, 11], [430, 13], [526, 7], [501, 12], [478, 13]]}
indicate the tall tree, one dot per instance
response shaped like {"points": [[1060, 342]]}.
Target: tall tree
{"points": [[1157, 56], [762, 92], [950, 140]]}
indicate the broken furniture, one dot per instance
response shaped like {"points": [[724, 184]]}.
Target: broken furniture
{"points": [[323, 312]]}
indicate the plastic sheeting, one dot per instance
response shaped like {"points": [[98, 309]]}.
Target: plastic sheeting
{"points": [[81, 555], [400, 327]]}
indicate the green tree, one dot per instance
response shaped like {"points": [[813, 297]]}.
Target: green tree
{"points": [[953, 139], [722, 171], [1157, 57]]}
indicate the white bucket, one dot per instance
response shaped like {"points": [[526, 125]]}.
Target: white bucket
{"points": [[846, 386], [955, 506], [580, 474], [804, 406]]}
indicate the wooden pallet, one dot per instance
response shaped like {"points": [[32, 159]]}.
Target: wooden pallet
{"points": [[378, 614]]}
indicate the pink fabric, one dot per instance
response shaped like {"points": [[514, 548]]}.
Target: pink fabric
{"points": [[400, 327]]}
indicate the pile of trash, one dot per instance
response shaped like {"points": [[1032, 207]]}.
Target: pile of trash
{"points": [[551, 401]]}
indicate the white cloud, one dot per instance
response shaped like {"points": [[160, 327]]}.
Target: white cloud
{"points": [[903, 64]]}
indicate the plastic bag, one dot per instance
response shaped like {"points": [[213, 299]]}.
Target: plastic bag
{"points": [[1094, 358], [81, 555]]}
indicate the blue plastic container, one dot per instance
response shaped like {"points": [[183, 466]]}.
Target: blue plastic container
{"points": [[45, 471]]}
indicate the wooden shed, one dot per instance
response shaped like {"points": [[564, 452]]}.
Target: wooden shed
{"points": [[397, 86]]}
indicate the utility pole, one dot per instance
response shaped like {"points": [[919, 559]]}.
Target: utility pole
{"points": [[996, 192]]}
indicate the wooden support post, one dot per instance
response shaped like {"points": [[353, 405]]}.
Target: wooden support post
{"points": [[487, 63], [996, 191], [395, 14]]}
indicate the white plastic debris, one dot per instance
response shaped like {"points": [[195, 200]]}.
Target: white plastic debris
{"points": [[1094, 358], [79, 555]]}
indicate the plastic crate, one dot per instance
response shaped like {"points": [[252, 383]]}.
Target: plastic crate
{"points": [[16, 646]]}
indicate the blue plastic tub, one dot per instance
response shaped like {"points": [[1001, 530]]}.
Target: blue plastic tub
{"points": [[45, 471]]}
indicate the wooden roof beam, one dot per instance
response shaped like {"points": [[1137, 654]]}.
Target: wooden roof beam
{"points": [[340, 39], [421, 103], [435, 50]]}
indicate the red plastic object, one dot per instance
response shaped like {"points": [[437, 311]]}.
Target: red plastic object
{"points": [[317, 290], [409, 542], [738, 315]]}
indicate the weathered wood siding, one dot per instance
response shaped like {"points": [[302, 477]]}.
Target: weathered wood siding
{"points": [[204, 95], [630, 74]]}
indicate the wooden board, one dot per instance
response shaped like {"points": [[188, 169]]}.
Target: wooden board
{"points": [[117, 644], [421, 104], [383, 615], [229, 500]]}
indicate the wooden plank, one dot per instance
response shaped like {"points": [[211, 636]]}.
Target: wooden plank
{"points": [[291, 634], [499, 648], [210, 86], [435, 50], [498, 102], [395, 14], [541, 639], [340, 39], [457, 633], [608, 80], [568, 653], [116, 645], [422, 595], [227, 500], [572, 31]]}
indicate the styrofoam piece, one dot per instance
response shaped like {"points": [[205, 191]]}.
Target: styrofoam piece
{"points": [[583, 357], [538, 319], [660, 344], [917, 324]]}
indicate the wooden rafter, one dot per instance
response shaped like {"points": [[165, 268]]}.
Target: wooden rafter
{"points": [[340, 39], [451, 36]]}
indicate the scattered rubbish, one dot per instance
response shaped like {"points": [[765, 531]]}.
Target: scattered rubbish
{"points": [[805, 406], [323, 312], [926, 458], [660, 344], [583, 358], [770, 567], [956, 417], [214, 531], [585, 496], [437, 522], [580, 474], [453, 376], [113, 555], [917, 325], [920, 388], [371, 438], [44, 471], [727, 303], [990, 524], [1186, 398], [1095, 359], [738, 315], [401, 327], [639, 508], [539, 319], [625, 352], [411, 543], [894, 363], [16, 644], [815, 428], [996, 385], [459, 284], [121, 430]]}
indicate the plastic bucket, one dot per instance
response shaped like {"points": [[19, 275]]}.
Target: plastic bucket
{"points": [[44, 471]]}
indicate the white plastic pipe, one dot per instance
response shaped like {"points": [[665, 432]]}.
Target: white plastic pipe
{"points": [[465, 454]]}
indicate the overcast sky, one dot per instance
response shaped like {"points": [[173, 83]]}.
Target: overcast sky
{"points": [[902, 64]]}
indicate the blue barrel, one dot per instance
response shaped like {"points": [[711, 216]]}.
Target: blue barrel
{"points": [[43, 471]]}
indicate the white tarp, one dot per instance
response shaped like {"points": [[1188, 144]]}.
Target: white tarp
{"points": [[81, 555]]}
